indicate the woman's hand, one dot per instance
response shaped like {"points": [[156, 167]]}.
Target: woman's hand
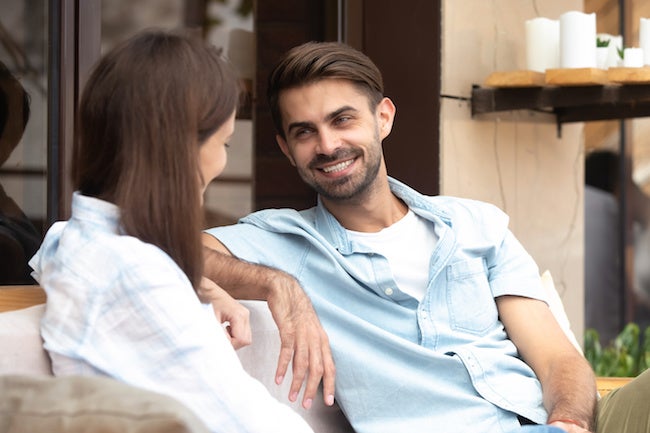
{"points": [[229, 312]]}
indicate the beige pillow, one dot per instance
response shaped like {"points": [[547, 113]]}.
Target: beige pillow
{"points": [[76, 404], [557, 308]]}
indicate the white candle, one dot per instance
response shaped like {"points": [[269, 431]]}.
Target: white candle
{"points": [[577, 40], [633, 57], [542, 44], [644, 39]]}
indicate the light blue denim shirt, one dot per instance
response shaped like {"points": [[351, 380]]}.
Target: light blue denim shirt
{"points": [[443, 364]]}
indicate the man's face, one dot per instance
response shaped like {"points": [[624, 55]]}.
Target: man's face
{"points": [[333, 137]]}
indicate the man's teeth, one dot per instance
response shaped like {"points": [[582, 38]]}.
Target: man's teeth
{"points": [[338, 167]]}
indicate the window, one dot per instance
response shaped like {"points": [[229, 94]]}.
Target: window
{"points": [[23, 135]]}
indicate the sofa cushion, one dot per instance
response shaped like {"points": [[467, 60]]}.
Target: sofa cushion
{"points": [[75, 404], [21, 351]]}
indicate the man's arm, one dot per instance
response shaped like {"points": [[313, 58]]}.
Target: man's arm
{"points": [[301, 334], [568, 382]]}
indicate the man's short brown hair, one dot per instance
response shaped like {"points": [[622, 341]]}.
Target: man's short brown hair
{"points": [[315, 61]]}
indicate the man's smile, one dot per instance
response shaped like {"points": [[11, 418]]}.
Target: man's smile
{"points": [[337, 167]]}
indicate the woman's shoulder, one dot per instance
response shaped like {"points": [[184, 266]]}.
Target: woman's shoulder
{"points": [[99, 258]]}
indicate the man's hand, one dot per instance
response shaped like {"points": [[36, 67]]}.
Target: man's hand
{"points": [[569, 427], [303, 340], [229, 312]]}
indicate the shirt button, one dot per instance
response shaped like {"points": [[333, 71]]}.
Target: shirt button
{"points": [[388, 292]]}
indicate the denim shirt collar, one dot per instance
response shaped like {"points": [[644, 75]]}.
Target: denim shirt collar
{"points": [[329, 227]]}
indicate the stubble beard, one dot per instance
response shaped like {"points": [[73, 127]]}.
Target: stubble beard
{"points": [[351, 187]]}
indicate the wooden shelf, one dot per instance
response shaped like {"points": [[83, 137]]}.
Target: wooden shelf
{"points": [[572, 95], [568, 103]]}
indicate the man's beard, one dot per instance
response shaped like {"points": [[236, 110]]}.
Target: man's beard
{"points": [[348, 187]]}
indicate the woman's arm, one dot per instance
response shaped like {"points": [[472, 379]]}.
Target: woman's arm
{"points": [[161, 337], [234, 316]]}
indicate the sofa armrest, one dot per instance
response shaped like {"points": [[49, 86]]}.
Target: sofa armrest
{"points": [[18, 297]]}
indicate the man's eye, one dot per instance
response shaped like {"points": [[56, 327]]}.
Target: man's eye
{"points": [[302, 132], [342, 119]]}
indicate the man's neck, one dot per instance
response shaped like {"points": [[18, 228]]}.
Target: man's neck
{"points": [[377, 209]]}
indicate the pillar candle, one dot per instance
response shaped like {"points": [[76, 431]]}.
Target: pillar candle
{"points": [[577, 40], [542, 44]]}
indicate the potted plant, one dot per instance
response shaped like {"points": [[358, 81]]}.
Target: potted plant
{"points": [[626, 356], [602, 52]]}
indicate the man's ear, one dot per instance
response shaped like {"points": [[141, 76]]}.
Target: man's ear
{"points": [[385, 116], [284, 147]]}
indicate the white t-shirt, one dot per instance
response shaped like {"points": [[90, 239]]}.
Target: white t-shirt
{"points": [[407, 245]]}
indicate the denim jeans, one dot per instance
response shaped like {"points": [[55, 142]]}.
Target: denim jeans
{"points": [[538, 429]]}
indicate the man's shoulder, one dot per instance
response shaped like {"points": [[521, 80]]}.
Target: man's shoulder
{"points": [[466, 207], [280, 218], [446, 205], [277, 220]]}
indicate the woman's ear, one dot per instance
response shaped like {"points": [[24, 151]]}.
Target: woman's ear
{"points": [[385, 116], [284, 147]]}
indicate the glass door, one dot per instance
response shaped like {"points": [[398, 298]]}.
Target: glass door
{"points": [[23, 134]]}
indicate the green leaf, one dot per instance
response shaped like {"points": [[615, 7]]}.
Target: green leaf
{"points": [[625, 356], [602, 43]]}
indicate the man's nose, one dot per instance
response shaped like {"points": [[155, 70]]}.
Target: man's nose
{"points": [[328, 141]]}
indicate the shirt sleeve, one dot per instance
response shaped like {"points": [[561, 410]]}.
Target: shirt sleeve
{"points": [[514, 272], [511, 269], [249, 242]]}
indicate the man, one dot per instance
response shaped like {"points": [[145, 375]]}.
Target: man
{"points": [[435, 313], [19, 239]]}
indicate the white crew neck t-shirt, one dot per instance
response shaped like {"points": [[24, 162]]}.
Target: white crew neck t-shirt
{"points": [[407, 245]]}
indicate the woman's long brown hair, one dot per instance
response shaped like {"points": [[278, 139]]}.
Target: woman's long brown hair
{"points": [[145, 110]]}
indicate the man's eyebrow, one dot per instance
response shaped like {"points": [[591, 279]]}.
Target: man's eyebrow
{"points": [[337, 113], [331, 116], [296, 125]]}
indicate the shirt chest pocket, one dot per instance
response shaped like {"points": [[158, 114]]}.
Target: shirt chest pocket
{"points": [[469, 299]]}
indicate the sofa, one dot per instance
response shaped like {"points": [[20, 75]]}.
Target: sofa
{"points": [[32, 400]]}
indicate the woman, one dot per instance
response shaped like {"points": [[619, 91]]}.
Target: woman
{"points": [[122, 274]]}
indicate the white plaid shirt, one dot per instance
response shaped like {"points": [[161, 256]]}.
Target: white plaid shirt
{"points": [[122, 308]]}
